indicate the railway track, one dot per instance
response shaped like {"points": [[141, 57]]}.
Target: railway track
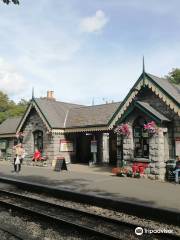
{"points": [[12, 231], [171, 217], [83, 221], [92, 224]]}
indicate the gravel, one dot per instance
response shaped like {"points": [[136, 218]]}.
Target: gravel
{"points": [[146, 223], [47, 234], [37, 230]]}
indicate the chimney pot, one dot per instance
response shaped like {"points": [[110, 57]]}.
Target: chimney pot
{"points": [[50, 95]]}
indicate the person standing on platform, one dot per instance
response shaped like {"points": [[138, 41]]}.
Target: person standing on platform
{"points": [[18, 156], [177, 170], [23, 153], [19, 137]]}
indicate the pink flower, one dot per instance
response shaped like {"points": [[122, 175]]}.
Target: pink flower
{"points": [[123, 129], [150, 127]]}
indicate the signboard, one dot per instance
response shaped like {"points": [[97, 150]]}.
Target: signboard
{"points": [[93, 146], [66, 146], [178, 146], [59, 165], [3, 144]]}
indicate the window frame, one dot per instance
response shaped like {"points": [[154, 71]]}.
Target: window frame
{"points": [[38, 140], [141, 140]]}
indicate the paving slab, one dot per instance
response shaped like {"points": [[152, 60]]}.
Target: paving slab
{"points": [[100, 181]]}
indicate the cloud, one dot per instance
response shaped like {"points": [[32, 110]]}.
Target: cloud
{"points": [[11, 81], [95, 23]]}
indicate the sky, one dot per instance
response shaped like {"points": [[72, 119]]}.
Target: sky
{"points": [[85, 51]]}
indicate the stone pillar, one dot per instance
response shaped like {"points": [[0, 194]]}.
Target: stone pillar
{"points": [[105, 157], [128, 148], [158, 155]]}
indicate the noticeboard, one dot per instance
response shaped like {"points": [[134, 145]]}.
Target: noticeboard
{"points": [[59, 165], [178, 146], [66, 146], [3, 144], [93, 146]]}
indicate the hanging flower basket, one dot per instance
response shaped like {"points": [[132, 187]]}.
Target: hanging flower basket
{"points": [[123, 129], [151, 128], [122, 172]]}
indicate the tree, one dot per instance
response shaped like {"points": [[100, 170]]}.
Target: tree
{"points": [[9, 108], [11, 1], [174, 76]]}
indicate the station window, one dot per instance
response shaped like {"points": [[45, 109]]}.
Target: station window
{"points": [[38, 140], [141, 139]]}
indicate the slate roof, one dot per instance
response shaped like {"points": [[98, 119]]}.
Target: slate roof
{"points": [[172, 89], [153, 111], [55, 112], [91, 115], [10, 125]]}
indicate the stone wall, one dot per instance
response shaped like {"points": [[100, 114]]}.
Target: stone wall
{"points": [[8, 154], [69, 156], [32, 124], [128, 146], [158, 155], [51, 141], [158, 149]]}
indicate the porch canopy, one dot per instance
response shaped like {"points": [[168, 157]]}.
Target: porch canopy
{"points": [[147, 109]]}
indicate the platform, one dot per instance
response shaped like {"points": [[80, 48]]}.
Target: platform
{"points": [[100, 181]]}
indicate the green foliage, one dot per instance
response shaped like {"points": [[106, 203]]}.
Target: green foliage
{"points": [[11, 1], [9, 108], [174, 76]]}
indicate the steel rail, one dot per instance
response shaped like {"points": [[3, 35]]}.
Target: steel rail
{"points": [[56, 220], [79, 213], [96, 217], [169, 216], [13, 231]]}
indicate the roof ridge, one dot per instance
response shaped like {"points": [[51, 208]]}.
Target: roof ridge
{"points": [[97, 105], [163, 78], [171, 89], [156, 76], [57, 101]]}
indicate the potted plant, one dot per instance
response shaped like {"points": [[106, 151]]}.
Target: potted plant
{"points": [[122, 172], [116, 170], [129, 173], [137, 175]]}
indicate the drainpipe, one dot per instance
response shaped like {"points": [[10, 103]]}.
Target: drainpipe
{"points": [[173, 140], [94, 153]]}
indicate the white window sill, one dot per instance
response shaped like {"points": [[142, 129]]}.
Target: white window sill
{"points": [[141, 160]]}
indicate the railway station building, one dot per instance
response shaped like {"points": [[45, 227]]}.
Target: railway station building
{"points": [[150, 113]]}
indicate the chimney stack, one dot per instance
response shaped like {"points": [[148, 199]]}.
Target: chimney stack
{"points": [[50, 95]]}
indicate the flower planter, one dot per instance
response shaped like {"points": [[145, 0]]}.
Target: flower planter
{"points": [[116, 170], [121, 175], [129, 174], [137, 175]]}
